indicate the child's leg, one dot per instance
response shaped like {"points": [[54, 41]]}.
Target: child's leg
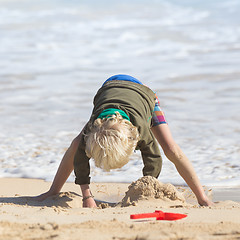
{"points": [[64, 170], [66, 167], [174, 153]]}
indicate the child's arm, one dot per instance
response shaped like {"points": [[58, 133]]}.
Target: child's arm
{"points": [[88, 200], [183, 165]]}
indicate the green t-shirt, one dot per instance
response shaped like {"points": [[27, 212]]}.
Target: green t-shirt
{"points": [[138, 102]]}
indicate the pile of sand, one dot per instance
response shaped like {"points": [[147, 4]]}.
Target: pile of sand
{"points": [[149, 187]]}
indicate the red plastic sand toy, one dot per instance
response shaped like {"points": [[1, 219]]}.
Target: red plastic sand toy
{"points": [[159, 215]]}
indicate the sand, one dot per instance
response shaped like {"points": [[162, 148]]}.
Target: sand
{"points": [[62, 216]]}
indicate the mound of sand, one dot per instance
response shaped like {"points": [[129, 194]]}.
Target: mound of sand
{"points": [[150, 188]]}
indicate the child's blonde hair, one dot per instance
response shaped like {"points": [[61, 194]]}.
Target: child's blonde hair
{"points": [[111, 141]]}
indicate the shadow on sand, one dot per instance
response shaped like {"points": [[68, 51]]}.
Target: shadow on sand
{"points": [[63, 200]]}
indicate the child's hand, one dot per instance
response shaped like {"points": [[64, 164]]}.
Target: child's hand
{"points": [[88, 200], [89, 203]]}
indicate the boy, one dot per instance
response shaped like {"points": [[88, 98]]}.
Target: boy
{"points": [[126, 116]]}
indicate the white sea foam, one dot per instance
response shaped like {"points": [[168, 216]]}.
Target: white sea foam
{"points": [[55, 55]]}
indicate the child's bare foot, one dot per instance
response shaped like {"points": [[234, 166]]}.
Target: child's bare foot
{"points": [[206, 202], [42, 197]]}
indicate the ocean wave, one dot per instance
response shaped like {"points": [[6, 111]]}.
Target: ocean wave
{"points": [[54, 57]]}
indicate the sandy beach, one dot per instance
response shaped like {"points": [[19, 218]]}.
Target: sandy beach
{"points": [[62, 216], [55, 55]]}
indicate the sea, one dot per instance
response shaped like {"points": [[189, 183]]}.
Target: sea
{"points": [[55, 54]]}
